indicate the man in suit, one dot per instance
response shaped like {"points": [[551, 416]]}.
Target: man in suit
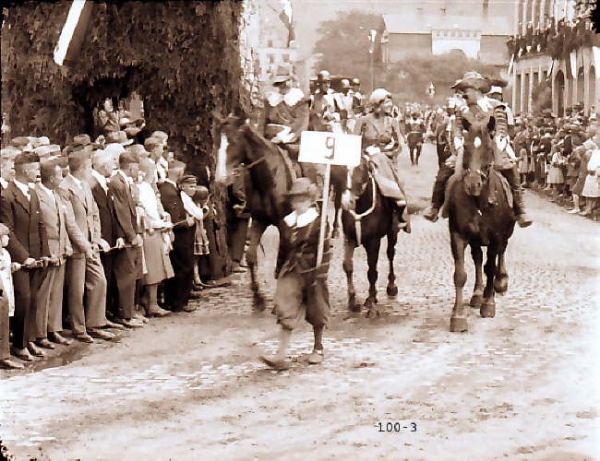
{"points": [[178, 288], [84, 272], [20, 212], [7, 166], [128, 233], [50, 295], [104, 165]]}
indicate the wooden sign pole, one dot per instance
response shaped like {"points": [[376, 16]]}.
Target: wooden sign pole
{"points": [[320, 249]]}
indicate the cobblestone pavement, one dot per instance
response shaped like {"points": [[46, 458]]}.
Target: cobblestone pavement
{"points": [[523, 385]]}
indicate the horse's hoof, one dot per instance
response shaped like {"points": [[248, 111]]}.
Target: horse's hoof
{"points": [[373, 313], [392, 291], [476, 301], [488, 310], [458, 325], [354, 307], [259, 304], [501, 285]]}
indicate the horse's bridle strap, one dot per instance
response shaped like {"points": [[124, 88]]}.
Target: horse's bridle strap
{"points": [[359, 216]]}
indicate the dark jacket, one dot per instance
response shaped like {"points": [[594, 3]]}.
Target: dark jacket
{"points": [[28, 237], [298, 249], [125, 213], [108, 224]]}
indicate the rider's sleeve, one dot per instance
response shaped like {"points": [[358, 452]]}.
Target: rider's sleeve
{"points": [[300, 123]]}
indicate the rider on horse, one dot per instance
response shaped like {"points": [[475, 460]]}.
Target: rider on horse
{"points": [[474, 86], [381, 137], [286, 115], [344, 106]]}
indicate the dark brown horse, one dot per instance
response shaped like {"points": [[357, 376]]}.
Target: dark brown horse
{"points": [[479, 215], [267, 177], [367, 217]]}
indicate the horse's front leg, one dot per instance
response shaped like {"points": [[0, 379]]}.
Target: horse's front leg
{"points": [[256, 232], [488, 309], [459, 319], [348, 265], [501, 279], [477, 298], [337, 205], [372, 247], [392, 238]]}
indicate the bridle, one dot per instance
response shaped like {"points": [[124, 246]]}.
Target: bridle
{"points": [[359, 216]]}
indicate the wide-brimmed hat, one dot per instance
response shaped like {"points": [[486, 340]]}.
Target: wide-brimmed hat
{"points": [[119, 137], [472, 80], [188, 179], [281, 76], [324, 76], [139, 150], [302, 187]]}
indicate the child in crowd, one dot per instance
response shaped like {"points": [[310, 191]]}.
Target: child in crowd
{"points": [[555, 175], [201, 248], [301, 286], [7, 300]]}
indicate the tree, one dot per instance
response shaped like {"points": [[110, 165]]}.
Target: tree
{"points": [[182, 57], [343, 46], [409, 78]]}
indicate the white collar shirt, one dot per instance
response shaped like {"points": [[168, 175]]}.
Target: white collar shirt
{"points": [[23, 188], [101, 180]]}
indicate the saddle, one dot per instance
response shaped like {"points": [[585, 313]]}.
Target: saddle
{"points": [[385, 177]]}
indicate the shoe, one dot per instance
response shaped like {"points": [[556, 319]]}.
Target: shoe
{"points": [[574, 210], [59, 339], [114, 325], [45, 344], [584, 213], [524, 221], [188, 308], [141, 317], [9, 364], [237, 269], [133, 323], [35, 351], [22, 354], [84, 338], [101, 334], [432, 214], [276, 364], [316, 357], [157, 312]]}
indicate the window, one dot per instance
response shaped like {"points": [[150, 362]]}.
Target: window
{"points": [[270, 43]]}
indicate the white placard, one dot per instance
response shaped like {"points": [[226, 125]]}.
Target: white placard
{"points": [[332, 148]]}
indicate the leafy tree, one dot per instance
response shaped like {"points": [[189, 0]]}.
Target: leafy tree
{"points": [[409, 78], [182, 57], [343, 46]]}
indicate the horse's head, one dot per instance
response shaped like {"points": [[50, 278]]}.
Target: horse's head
{"points": [[232, 148], [478, 151], [357, 182]]}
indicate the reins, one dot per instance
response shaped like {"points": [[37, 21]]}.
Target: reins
{"points": [[359, 216]]}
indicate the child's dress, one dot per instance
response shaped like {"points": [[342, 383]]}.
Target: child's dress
{"points": [[7, 283], [555, 175]]}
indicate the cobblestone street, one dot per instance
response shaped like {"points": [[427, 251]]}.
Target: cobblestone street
{"points": [[523, 385]]}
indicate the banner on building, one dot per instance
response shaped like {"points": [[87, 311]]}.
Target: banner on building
{"points": [[573, 58], [510, 64]]}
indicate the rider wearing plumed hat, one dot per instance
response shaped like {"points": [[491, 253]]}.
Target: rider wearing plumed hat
{"points": [[474, 86]]}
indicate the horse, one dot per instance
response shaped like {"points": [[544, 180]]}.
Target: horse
{"points": [[268, 175], [367, 217], [480, 214]]}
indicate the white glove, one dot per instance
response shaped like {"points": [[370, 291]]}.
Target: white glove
{"points": [[458, 142]]}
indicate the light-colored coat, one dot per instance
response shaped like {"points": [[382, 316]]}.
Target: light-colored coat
{"points": [[55, 220], [82, 208]]}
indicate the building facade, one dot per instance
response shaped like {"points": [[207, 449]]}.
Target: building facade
{"points": [[564, 61], [479, 37]]}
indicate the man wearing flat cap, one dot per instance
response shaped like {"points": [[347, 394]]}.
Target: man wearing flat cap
{"points": [[178, 288], [28, 246], [129, 236], [84, 277], [104, 165]]}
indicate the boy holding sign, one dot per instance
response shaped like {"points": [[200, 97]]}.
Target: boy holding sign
{"points": [[301, 284]]}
